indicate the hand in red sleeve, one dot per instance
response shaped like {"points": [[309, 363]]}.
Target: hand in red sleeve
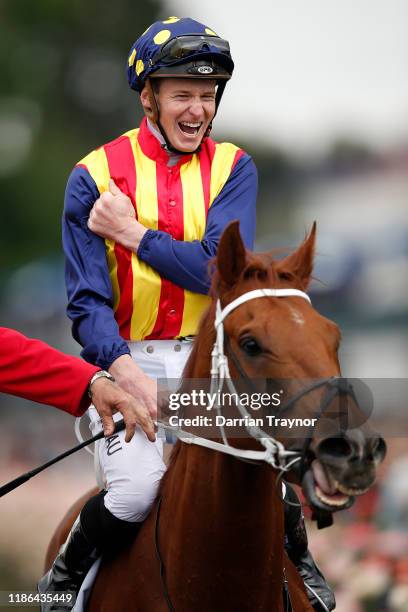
{"points": [[109, 398]]}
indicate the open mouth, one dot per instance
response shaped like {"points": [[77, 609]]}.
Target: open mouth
{"points": [[189, 128], [325, 492], [326, 489]]}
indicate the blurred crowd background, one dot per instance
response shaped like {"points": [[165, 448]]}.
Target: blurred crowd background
{"points": [[64, 92]]}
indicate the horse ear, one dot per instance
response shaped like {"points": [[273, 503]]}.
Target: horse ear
{"points": [[231, 256], [300, 262]]}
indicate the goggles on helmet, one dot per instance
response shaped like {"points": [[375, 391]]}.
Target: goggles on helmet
{"points": [[181, 47]]}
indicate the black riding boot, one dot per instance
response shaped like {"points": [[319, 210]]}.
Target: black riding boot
{"points": [[296, 545], [96, 532]]}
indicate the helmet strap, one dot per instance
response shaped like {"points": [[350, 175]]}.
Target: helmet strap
{"points": [[218, 96], [154, 115]]}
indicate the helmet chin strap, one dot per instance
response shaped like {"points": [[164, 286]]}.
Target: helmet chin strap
{"points": [[154, 115]]}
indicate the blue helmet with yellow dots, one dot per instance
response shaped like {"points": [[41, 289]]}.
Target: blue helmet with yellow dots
{"points": [[179, 47]]}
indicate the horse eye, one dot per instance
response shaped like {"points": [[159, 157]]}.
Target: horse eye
{"points": [[250, 346]]}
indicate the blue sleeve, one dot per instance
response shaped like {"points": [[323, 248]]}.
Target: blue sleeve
{"points": [[186, 263], [87, 278]]}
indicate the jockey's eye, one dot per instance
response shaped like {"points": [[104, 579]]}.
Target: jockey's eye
{"points": [[250, 346]]}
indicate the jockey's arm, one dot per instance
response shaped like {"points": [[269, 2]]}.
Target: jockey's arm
{"points": [[182, 262], [186, 263], [90, 299]]}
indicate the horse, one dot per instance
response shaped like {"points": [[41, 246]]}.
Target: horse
{"points": [[214, 539]]}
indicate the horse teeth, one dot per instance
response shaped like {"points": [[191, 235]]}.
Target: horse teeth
{"points": [[329, 501], [347, 491]]}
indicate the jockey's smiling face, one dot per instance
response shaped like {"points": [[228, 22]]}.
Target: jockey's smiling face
{"points": [[187, 107]]}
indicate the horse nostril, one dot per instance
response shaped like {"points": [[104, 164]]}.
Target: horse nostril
{"points": [[378, 449], [335, 448]]}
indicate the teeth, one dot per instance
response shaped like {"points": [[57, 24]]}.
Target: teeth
{"points": [[330, 487], [192, 125], [330, 501], [347, 491]]}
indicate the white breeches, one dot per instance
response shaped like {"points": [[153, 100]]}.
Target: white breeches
{"points": [[132, 471]]}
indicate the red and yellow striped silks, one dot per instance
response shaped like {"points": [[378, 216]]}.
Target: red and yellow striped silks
{"points": [[175, 200]]}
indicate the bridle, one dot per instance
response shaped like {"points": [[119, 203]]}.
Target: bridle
{"points": [[274, 453]]}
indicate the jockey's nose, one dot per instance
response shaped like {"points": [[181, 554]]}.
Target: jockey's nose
{"points": [[196, 108]]}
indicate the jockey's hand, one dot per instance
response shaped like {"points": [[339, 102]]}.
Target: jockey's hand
{"points": [[133, 380], [113, 217], [109, 398]]}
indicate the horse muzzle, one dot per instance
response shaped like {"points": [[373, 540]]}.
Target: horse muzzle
{"points": [[341, 468]]}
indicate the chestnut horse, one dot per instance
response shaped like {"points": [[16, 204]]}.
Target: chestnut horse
{"points": [[214, 539]]}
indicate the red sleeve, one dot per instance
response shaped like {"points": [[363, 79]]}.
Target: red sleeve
{"points": [[33, 370]]}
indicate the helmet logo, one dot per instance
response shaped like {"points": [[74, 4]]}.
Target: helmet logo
{"points": [[205, 69]]}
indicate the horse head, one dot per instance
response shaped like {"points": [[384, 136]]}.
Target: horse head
{"points": [[284, 338]]}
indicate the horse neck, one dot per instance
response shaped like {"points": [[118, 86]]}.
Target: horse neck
{"points": [[238, 502], [222, 521]]}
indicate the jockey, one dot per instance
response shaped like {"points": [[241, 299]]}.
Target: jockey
{"points": [[143, 217]]}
